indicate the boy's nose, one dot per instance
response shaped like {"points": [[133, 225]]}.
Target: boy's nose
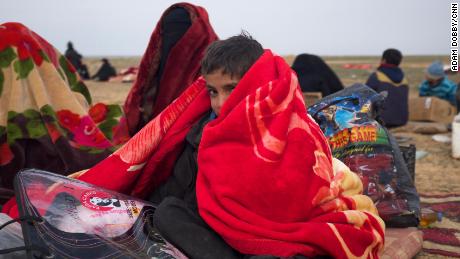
{"points": [[220, 103]]}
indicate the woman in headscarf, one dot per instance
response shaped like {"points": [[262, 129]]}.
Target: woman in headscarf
{"points": [[44, 121], [105, 71], [315, 75], [170, 64]]}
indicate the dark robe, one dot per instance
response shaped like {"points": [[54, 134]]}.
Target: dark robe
{"points": [[105, 72], [75, 59], [315, 75]]}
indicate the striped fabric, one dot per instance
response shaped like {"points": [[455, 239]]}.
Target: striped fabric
{"points": [[442, 238]]}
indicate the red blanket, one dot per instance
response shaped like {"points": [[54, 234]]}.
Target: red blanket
{"points": [[267, 182]]}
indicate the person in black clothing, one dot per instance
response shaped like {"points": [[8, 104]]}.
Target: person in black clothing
{"points": [[315, 75], [75, 59], [389, 77], [105, 71], [174, 25]]}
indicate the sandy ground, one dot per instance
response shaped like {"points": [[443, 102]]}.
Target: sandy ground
{"points": [[437, 172]]}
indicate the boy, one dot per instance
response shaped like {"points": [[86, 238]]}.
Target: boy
{"points": [[256, 175], [389, 77], [437, 84], [177, 216]]}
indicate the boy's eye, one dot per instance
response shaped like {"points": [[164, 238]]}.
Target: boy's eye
{"points": [[230, 89], [212, 92]]}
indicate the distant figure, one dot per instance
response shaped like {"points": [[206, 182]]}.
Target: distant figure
{"points": [[457, 98], [315, 75], [437, 84], [389, 77], [105, 71], [75, 59]]}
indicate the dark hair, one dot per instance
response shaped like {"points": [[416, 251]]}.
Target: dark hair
{"points": [[234, 55], [392, 56]]}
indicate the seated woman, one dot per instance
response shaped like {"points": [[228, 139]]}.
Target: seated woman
{"points": [[315, 75], [170, 63], [44, 121], [437, 84], [105, 71], [240, 169]]}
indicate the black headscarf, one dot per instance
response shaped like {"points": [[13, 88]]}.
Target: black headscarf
{"points": [[174, 26]]}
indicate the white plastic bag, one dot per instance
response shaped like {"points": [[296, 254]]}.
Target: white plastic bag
{"points": [[456, 137]]}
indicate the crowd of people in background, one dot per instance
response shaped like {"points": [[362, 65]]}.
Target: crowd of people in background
{"points": [[104, 72], [313, 73]]}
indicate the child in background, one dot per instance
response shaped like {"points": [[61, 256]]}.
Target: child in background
{"points": [[437, 84], [389, 77]]}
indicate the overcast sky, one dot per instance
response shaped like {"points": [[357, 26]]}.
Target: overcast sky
{"points": [[354, 27]]}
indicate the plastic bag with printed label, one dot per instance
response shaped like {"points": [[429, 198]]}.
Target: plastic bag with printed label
{"points": [[349, 120], [69, 218]]}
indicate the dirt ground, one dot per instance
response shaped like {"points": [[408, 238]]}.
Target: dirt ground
{"points": [[437, 172]]}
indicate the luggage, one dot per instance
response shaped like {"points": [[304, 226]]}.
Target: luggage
{"points": [[349, 120]]}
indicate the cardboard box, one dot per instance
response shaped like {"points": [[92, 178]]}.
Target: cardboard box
{"points": [[431, 109], [310, 98]]}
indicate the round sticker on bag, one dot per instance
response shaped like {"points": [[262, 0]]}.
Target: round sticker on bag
{"points": [[100, 201]]}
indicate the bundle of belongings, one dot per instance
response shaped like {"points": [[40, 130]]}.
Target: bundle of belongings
{"points": [[127, 75], [349, 119]]}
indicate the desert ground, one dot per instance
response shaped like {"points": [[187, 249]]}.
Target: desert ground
{"points": [[437, 172]]}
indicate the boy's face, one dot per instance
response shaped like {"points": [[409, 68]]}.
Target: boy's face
{"points": [[219, 87], [433, 82]]}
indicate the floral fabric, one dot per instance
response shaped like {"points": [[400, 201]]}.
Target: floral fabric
{"points": [[44, 120]]}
